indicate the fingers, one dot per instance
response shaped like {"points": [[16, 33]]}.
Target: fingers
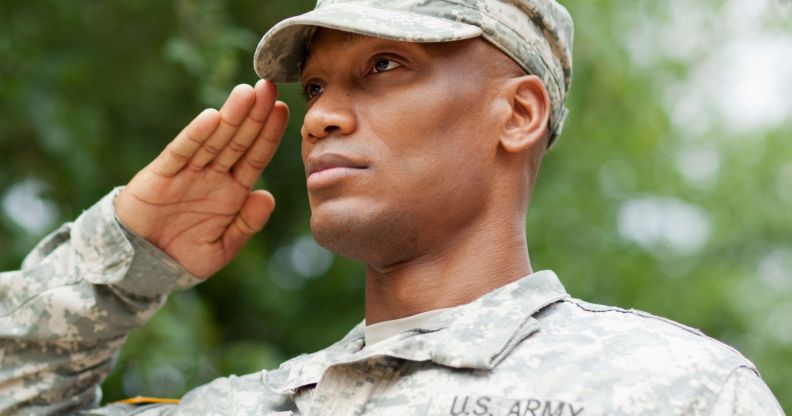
{"points": [[251, 219], [242, 136], [249, 168], [265, 94], [179, 152], [232, 114]]}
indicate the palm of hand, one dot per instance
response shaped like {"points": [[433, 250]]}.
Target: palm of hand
{"points": [[195, 201]]}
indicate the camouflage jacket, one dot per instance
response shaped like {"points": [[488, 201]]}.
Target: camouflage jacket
{"points": [[527, 348]]}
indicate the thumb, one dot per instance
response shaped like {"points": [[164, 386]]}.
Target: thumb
{"points": [[251, 219]]}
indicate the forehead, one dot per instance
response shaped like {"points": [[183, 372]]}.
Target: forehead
{"points": [[331, 39], [338, 37]]}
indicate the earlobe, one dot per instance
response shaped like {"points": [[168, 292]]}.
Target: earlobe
{"points": [[527, 124]]}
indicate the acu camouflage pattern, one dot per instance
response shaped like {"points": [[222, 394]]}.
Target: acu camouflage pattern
{"points": [[65, 314], [537, 34], [524, 349]]}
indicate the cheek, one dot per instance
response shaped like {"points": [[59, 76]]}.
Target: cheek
{"points": [[305, 145], [435, 141]]}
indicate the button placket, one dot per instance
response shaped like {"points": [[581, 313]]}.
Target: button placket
{"points": [[345, 389]]}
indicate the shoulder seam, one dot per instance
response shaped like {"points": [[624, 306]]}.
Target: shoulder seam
{"points": [[640, 314], [647, 315]]}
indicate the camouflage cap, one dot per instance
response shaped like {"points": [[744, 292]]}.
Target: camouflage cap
{"points": [[537, 34]]}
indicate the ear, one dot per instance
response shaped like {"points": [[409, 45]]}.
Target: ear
{"points": [[527, 125]]}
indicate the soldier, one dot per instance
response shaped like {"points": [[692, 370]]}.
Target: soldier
{"points": [[426, 125]]}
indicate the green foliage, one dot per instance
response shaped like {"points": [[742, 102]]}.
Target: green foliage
{"points": [[91, 93]]}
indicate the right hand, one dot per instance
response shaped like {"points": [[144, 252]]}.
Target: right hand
{"points": [[195, 200]]}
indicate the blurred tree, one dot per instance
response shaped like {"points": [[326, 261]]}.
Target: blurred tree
{"points": [[670, 190]]}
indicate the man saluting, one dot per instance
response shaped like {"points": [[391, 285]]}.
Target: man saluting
{"points": [[427, 122]]}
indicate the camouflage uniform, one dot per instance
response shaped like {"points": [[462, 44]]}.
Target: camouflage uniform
{"points": [[524, 349]]}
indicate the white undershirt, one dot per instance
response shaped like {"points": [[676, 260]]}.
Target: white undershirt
{"points": [[381, 331]]}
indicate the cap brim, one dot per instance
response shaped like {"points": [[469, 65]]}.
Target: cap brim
{"points": [[280, 52]]}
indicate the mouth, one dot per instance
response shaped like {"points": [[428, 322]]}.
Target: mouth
{"points": [[326, 168]]}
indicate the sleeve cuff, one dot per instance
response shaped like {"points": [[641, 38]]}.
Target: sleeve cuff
{"points": [[109, 253]]}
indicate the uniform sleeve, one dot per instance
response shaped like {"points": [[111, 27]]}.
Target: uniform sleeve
{"points": [[238, 395], [65, 314], [745, 394]]}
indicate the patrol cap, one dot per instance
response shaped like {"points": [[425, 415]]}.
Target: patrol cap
{"points": [[537, 34]]}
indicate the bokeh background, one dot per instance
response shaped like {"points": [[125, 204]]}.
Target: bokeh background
{"points": [[670, 191]]}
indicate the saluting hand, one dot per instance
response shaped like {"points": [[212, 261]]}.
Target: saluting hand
{"points": [[195, 200]]}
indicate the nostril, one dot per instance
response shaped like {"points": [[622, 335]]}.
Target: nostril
{"points": [[331, 129]]}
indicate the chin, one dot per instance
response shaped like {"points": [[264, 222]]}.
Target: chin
{"points": [[372, 236]]}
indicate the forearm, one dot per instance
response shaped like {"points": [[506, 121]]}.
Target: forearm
{"points": [[65, 314]]}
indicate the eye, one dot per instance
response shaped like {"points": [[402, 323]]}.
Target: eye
{"points": [[311, 90], [383, 64]]}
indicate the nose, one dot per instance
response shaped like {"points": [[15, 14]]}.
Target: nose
{"points": [[329, 114]]}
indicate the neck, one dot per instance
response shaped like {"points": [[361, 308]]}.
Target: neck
{"points": [[474, 261]]}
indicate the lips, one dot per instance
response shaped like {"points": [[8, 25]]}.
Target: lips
{"points": [[325, 161], [327, 168]]}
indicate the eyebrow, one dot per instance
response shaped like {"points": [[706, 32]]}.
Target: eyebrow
{"points": [[349, 39]]}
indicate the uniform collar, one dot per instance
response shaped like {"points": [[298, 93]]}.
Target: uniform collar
{"points": [[383, 331], [483, 333]]}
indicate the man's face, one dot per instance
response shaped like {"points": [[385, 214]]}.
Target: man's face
{"points": [[397, 143]]}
